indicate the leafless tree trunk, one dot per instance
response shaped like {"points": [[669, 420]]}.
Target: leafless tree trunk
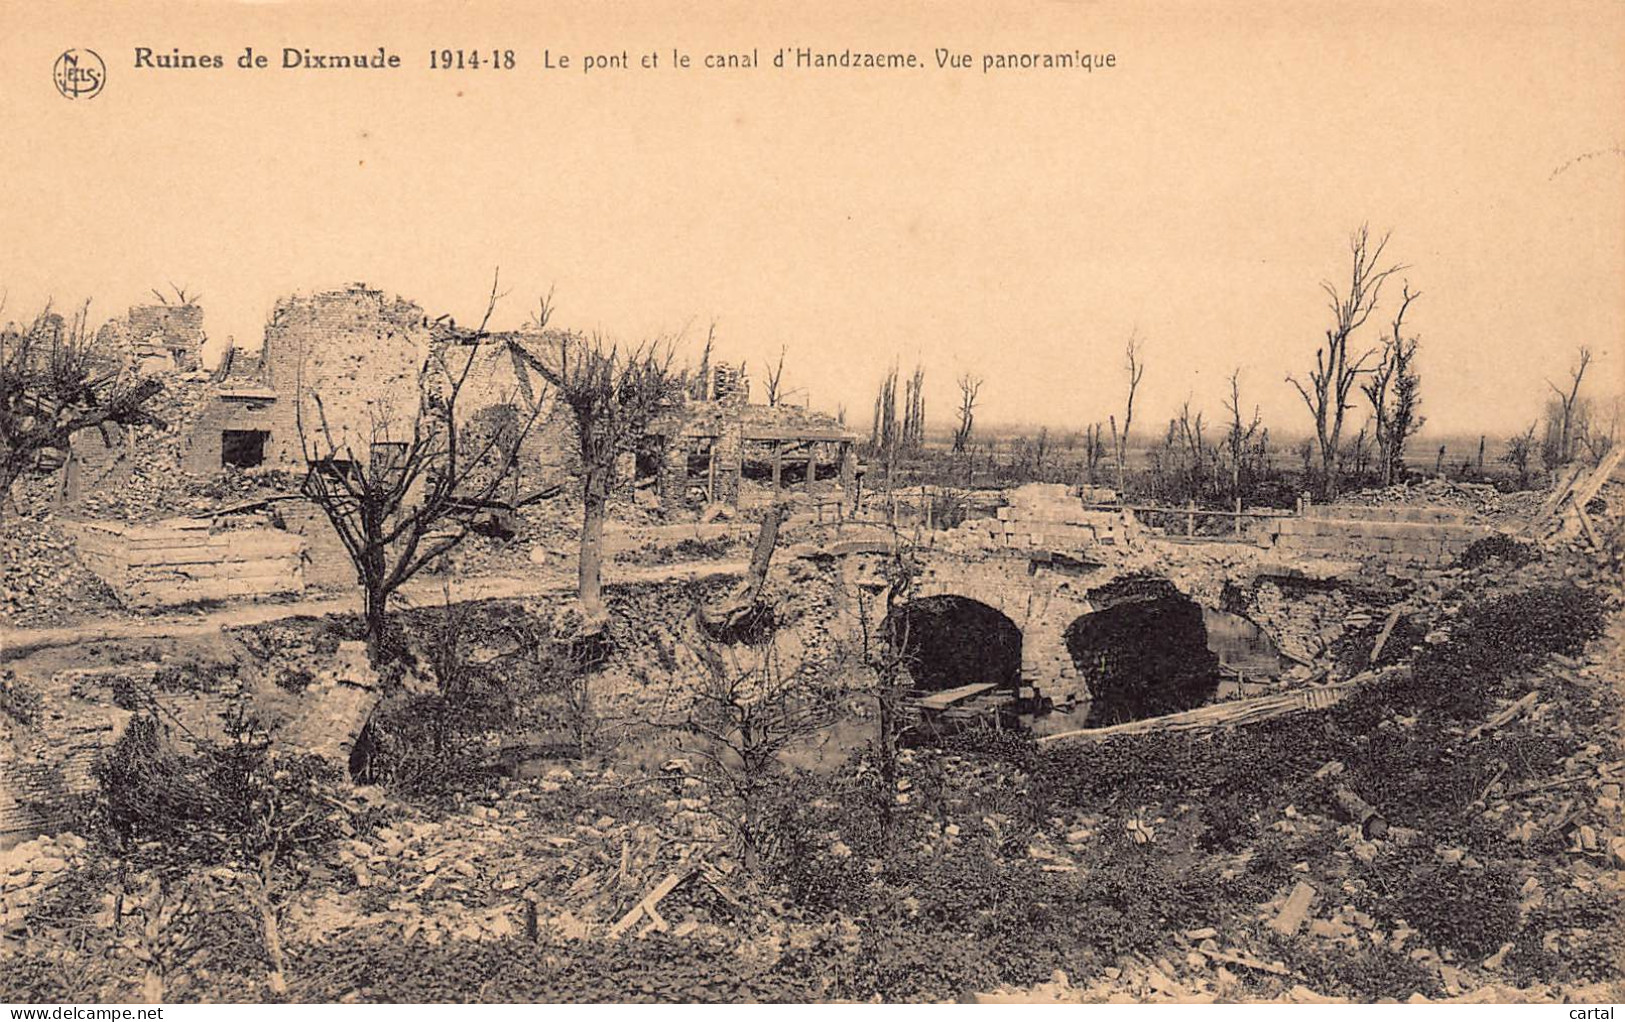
{"points": [[1136, 370], [969, 388], [1392, 389], [1094, 451], [1332, 379], [1568, 402], [774, 375], [914, 410], [1240, 437], [885, 652]]}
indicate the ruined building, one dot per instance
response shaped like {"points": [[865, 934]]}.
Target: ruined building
{"points": [[347, 363], [729, 451]]}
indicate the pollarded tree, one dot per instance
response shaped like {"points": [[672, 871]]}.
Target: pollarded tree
{"points": [[56, 380], [410, 496], [613, 393], [1337, 369]]}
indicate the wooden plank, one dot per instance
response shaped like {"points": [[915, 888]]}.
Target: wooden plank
{"points": [[1382, 637], [1225, 714], [948, 697], [1587, 527], [1295, 910], [792, 433], [1555, 499], [647, 905], [1585, 493]]}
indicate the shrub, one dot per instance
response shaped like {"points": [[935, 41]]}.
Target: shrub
{"points": [[19, 700], [1513, 553], [1469, 911], [215, 800]]}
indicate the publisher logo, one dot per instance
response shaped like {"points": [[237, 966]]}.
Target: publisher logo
{"points": [[79, 74]]}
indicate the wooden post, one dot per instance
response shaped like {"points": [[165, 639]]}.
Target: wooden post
{"points": [[812, 466], [777, 465], [711, 475], [1190, 518], [1237, 529]]}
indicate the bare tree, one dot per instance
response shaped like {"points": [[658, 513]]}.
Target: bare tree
{"points": [[885, 651], [1191, 433], [1240, 437], [1520, 451], [181, 295], [410, 496], [774, 375], [56, 380], [613, 394], [970, 386], [1136, 370], [746, 711], [1094, 452], [1600, 432], [914, 410], [1568, 406], [699, 386], [1394, 390], [1336, 370], [885, 434]]}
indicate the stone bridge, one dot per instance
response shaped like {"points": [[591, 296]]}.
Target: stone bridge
{"points": [[1046, 561], [1038, 600]]}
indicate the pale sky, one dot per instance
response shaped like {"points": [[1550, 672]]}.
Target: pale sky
{"points": [[1016, 224]]}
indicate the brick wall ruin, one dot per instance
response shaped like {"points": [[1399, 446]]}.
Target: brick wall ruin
{"points": [[185, 561], [352, 358], [1402, 537]]}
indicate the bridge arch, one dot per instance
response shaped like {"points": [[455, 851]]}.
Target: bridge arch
{"points": [[953, 640], [1142, 652]]}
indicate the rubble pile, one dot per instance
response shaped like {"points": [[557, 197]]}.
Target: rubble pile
{"points": [[499, 870], [30, 870], [1480, 499], [142, 478], [41, 579]]}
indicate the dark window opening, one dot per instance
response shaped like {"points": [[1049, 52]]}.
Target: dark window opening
{"points": [[242, 448]]}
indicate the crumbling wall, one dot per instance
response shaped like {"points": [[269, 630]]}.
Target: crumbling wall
{"points": [[1400, 536], [44, 767], [346, 365], [1047, 517], [184, 561], [235, 408], [177, 329], [349, 358]]}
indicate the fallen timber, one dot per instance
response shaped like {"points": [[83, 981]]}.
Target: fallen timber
{"points": [[961, 705], [1233, 713]]}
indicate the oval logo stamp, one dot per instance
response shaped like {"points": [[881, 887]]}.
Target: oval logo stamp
{"points": [[79, 74]]}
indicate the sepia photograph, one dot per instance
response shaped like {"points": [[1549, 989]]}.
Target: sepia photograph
{"points": [[734, 501]]}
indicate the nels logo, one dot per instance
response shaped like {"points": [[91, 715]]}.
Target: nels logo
{"points": [[79, 74]]}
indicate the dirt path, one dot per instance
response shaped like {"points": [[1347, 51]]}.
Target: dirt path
{"points": [[18, 642]]}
